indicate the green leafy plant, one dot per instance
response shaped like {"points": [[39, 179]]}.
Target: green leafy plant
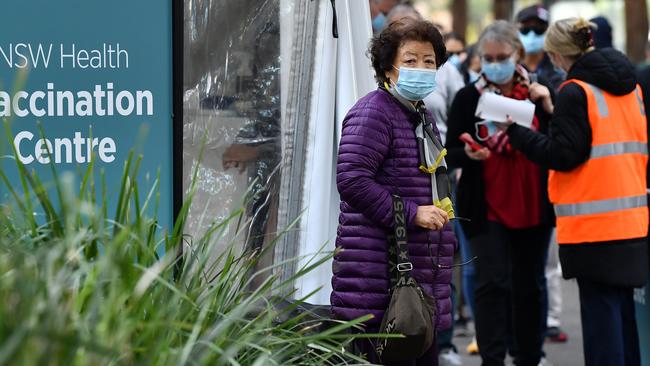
{"points": [[80, 287]]}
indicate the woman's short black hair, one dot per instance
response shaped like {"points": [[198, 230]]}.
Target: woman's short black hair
{"points": [[454, 35], [384, 46]]}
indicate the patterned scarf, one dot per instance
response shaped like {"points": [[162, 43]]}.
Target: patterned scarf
{"points": [[431, 154]]}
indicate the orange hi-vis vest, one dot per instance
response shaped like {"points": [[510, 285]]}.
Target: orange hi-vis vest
{"points": [[605, 198]]}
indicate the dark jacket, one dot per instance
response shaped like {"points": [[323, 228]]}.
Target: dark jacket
{"points": [[470, 197], [378, 156], [567, 145]]}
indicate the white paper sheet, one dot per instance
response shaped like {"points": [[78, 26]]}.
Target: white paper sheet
{"points": [[497, 108]]}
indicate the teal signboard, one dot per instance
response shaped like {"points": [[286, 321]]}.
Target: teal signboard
{"points": [[99, 77]]}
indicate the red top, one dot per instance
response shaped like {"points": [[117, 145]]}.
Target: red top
{"points": [[513, 187]]}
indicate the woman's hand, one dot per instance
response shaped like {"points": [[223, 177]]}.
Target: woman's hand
{"points": [[431, 217], [537, 92], [478, 155]]}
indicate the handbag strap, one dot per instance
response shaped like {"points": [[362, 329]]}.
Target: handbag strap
{"points": [[401, 266]]}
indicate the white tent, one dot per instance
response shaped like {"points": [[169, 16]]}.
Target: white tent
{"points": [[342, 74]]}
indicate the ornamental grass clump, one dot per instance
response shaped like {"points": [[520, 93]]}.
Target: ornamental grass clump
{"points": [[82, 286]]}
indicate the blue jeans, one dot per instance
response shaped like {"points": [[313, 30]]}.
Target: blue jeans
{"points": [[465, 254], [445, 338], [468, 269]]}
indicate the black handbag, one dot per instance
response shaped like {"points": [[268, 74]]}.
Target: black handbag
{"points": [[411, 312]]}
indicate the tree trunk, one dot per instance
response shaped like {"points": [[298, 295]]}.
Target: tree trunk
{"points": [[459, 13], [503, 9], [636, 29]]}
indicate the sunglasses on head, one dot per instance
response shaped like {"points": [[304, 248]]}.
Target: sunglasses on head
{"points": [[537, 30]]}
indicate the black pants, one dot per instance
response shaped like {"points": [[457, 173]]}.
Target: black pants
{"points": [[609, 333], [509, 292]]}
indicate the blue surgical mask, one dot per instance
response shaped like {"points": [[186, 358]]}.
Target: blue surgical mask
{"points": [[498, 72], [491, 127], [533, 42], [379, 22], [414, 83], [455, 60], [473, 76]]}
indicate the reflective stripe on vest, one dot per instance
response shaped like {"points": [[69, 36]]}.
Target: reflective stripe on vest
{"points": [[605, 198], [602, 206], [600, 101], [639, 100], [618, 148], [603, 109]]}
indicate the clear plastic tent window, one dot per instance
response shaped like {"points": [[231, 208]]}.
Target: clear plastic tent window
{"points": [[232, 104], [266, 85]]}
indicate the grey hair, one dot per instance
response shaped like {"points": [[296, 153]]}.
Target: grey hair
{"points": [[403, 11], [501, 31]]}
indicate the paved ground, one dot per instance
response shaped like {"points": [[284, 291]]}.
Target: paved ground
{"points": [[558, 354]]}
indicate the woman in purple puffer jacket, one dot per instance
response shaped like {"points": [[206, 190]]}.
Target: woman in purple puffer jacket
{"points": [[390, 145]]}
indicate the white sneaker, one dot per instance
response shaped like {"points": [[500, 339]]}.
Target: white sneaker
{"points": [[449, 358], [544, 362]]}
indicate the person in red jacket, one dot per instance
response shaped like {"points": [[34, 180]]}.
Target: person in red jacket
{"points": [[504, 195]]}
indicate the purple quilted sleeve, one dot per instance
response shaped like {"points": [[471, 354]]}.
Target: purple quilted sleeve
{"points": [[365, 143]]}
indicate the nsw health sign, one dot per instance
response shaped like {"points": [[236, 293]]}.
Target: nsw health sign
{"points": [[99, 80]]}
